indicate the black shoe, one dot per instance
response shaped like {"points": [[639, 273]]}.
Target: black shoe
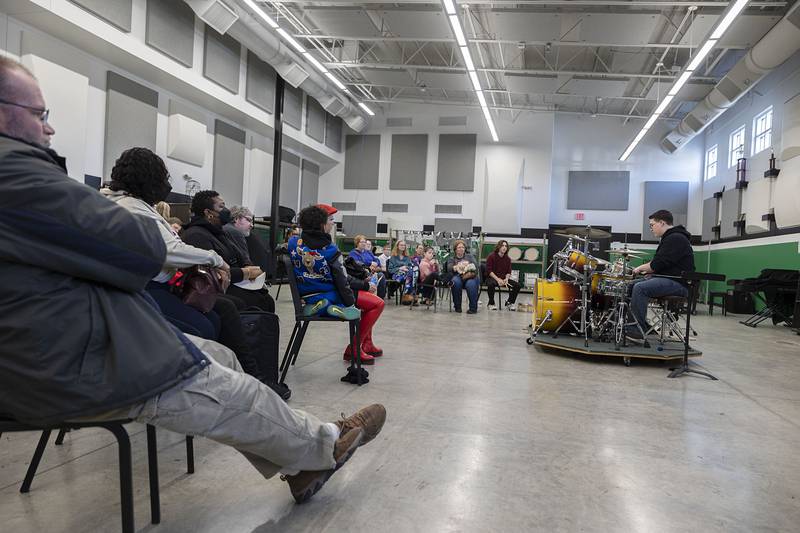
{"points": [[634, 334], [472, 311], [281, 389], [457, 309]]}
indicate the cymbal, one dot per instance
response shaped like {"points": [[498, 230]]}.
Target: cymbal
{"points": [[587, 232], [624, 251], [601, 261], [568, 235]]}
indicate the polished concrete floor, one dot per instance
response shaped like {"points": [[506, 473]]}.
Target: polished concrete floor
{"points": [[484, 433]]}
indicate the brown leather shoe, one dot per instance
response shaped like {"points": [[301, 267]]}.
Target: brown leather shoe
{"points": [[306, 483], [370, 419]]}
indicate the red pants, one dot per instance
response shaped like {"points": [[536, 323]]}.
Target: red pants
{"points": [[371, 308]]}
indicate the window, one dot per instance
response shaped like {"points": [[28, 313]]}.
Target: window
{"points": [[711, 162], [762, 131], [736, 146]]}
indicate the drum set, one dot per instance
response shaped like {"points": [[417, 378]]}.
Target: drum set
{"points": [[585, 295]]}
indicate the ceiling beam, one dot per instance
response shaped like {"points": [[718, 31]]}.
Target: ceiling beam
{"points": [[573, 3]]}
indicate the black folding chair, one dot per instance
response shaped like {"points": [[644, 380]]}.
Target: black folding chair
{"points": [[301, 325]]}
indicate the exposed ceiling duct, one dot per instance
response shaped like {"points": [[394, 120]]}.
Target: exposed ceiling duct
{"points": [[267, 45], [778, 45]]}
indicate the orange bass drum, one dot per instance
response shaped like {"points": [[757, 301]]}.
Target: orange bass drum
{"points": [[553, 303]]}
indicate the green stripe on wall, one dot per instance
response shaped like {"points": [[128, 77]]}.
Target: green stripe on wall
{"points": [[747, 261]]}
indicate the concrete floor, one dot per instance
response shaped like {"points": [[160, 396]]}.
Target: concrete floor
{"points": [[484, 433]]}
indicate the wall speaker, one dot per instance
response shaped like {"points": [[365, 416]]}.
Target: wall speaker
{"points": [[332, 104], [214, 13], [292, 73], [356, 122]]}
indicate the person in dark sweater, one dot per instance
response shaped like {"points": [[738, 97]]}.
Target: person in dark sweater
{"points": [[498, 274], [674, 256]]}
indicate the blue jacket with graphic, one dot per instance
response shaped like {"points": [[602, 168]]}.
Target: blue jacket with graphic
{"points": [[318, 265]]}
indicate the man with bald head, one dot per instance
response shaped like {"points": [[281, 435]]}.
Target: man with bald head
{"points": [[82, 340]]}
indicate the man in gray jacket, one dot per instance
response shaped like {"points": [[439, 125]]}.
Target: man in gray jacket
{"points": [[79, 338]]}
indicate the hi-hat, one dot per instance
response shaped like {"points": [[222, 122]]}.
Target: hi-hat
{"points": [[587, 232], [568, 235]]}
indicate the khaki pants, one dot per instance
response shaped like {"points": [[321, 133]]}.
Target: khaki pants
{"points": [[228, 406]]}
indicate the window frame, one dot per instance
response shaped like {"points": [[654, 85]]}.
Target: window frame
{"points": [[767, 133], [714, 149], [731, 151]]}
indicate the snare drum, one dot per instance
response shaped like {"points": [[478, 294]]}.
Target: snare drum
{"points": [[578, 260], [553, 303]]}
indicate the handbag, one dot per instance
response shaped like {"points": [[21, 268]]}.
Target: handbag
{"points": [[468, 275], [197, 287]]}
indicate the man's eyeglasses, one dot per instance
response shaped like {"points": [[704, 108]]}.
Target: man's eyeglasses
{"points": [[44, 114]]}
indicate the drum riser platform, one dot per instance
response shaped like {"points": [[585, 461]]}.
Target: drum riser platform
{"points": [[671, 350]]}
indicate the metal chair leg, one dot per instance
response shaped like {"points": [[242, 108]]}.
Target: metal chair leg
{"points": [[152, 471], [125, 476], [37, 456], [286, 359], [189, 454], [60, 436], [298, 341]]}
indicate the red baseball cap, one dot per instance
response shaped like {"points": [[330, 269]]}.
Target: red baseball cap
{"points": [[328, 209]]}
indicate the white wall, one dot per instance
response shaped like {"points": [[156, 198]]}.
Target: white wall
{"points": [[511, 177], [584, 143]]}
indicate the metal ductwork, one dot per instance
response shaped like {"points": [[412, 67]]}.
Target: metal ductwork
{"points": [[263, 42], [778, 45]]}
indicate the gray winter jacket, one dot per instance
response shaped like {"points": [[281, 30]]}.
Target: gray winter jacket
{"points": [[78, 336]]}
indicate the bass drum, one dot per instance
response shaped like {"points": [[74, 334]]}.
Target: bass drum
{"points": [[553, 303]]}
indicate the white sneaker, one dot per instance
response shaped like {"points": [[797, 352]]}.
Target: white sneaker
{"points": [[492, 307], [511, 307]]}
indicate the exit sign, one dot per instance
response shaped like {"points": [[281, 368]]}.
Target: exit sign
{"points": [[580, 216]]}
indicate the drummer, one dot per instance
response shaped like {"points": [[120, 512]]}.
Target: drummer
{"points": [[674, 256]]}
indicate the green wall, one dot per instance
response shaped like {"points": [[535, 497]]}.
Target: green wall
{"points": [[747, 261]]}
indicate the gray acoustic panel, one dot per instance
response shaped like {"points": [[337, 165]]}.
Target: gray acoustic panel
{"points": [[221, 57], [453, 121], [408, 162], [447, 209], [290, 180], [394, 208], [309, 184], [261, 78], [228, 178], [730, 211], [333, 133], [456, 225], [292, 106], [315, 120], [131, 117], [344, 206], [361, 161], [353, 225], [709, 218], [670, 195], [604, 190], [115, 12], [170, 29], [456, 169], [398, 122]]}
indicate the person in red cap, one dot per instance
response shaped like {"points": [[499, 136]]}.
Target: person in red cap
{"points": [[323, 282]]}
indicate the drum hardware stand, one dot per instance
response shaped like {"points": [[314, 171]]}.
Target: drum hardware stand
{"points": [[692, 279]]}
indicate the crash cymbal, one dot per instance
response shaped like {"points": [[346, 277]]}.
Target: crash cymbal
{"points": [[587, 232], [568, 236], [601, 261], [625, 251]]}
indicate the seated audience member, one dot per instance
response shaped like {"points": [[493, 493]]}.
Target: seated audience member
{"points": [[362, 254], [138, 179], [419, 254], [162, 208], [323, 283], [463, 270], [204, 230], [176, 225], [402, 269], [428, 274], [106, 352], [498, 274], [383, 257], [238, 229]]}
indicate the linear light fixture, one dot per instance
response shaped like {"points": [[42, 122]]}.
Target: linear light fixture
{"points": [[463, 46], [734, 8], [369, 111]]}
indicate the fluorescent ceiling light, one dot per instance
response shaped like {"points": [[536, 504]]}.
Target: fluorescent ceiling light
{"points": [[291, 40], [680, 83], [336, 81], [260, 12], [459, 33], [728, 19], [313, 60], [450, 7], [489, 122], [473, 77], [663, 105], [481, 99], [633, 144], [701, 54], [369, 111], [650, 122], [467, 58]]}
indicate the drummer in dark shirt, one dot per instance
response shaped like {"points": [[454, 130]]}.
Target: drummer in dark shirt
{"points": [[674, 256]]}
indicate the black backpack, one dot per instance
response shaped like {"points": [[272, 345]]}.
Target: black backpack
{"points": [[262, 335]]}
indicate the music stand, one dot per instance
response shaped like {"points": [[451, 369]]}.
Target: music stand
{"points": [[693, 280]]}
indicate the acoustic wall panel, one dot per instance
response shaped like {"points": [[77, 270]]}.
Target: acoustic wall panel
{"points": [[604, 190], [228, 178], [186, 134], [115, 12], [259, 174], [456, 225], [170, 29], [394, 208], [450, 209], [221, 59], [131, 115], [790, 139], [730, 212], [309, 184], [408, 162], [290, 180], [315, 120], [670, 195], [361, 161], [456, 170], [709, 218], [353, 225], [292, 106], [756, 202], [786, 198], [333, 133], [344, 206], [261, 78]]}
